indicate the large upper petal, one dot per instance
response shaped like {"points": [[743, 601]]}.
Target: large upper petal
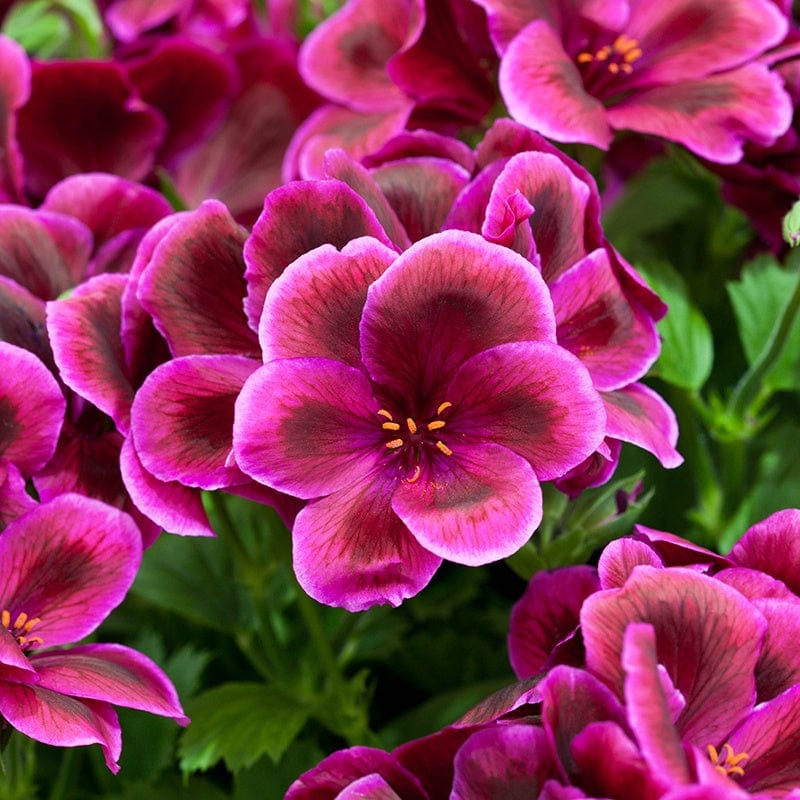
{"points": [[15, 78], [477, 505], [314, 308], [351, 550], [31, 409], [307, 426], [182, 418], [111, 673], [543, 89], [708, 637], [445, 299], [69, 562], [344, 58], [534, 398], [83, 116], [296, 219], [693, 38], [560, 201], [194, 285]]}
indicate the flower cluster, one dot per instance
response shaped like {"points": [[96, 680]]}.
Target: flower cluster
{"points": [[335, 268], [666, 672]]}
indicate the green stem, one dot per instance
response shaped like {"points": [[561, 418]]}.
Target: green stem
{"points": [[271, 662], [749, 385], [58, 790]]}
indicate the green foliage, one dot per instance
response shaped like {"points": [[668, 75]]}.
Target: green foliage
{"points": [[687, 348], [57, 28], [759, 297], [239, 722]]}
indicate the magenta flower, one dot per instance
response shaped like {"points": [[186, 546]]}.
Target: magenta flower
{"points": [[416, 401], [63, 567], [687, 71]]}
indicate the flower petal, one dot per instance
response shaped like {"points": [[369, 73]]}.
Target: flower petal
{"points": [[351, 550], [708, 637], [344, 58], [445, 299], [637, 414], [597, 321], [56, 719], [83, 116], [713, 116], [307, 426], [534, 398], [296, 219], [31, 410], [560, 200], [314, 308], [546, 615], [773, 546], [43, 251], [693, 38], [543, 89], [84, 331], [647, 708], [194, 285], [503, 761], [69, 562], [172, 506], [478, 505], [111, 673], [182, 418], [769, 736]]}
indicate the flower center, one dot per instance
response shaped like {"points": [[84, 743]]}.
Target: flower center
{"points": [[726, 761], [410, 437], [21, 628], [612, 58]]}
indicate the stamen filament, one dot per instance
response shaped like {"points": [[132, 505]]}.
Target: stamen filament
{"points": [[444, 448], [391, 426], [436, 424]]}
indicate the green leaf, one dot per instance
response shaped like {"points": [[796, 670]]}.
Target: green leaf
{"points": [[57, 28], [758, 299], [192, 577], [239, 723], [687, 349]]}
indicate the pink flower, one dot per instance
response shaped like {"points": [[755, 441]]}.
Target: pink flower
{"points": [[577, 70], [64, 566], [417, 401]]}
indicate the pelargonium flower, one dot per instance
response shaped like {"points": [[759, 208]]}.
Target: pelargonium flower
{"points": [[518, 190], [417, 401], [385, 67], [64, 565], [685, 687], [687, 71]]}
